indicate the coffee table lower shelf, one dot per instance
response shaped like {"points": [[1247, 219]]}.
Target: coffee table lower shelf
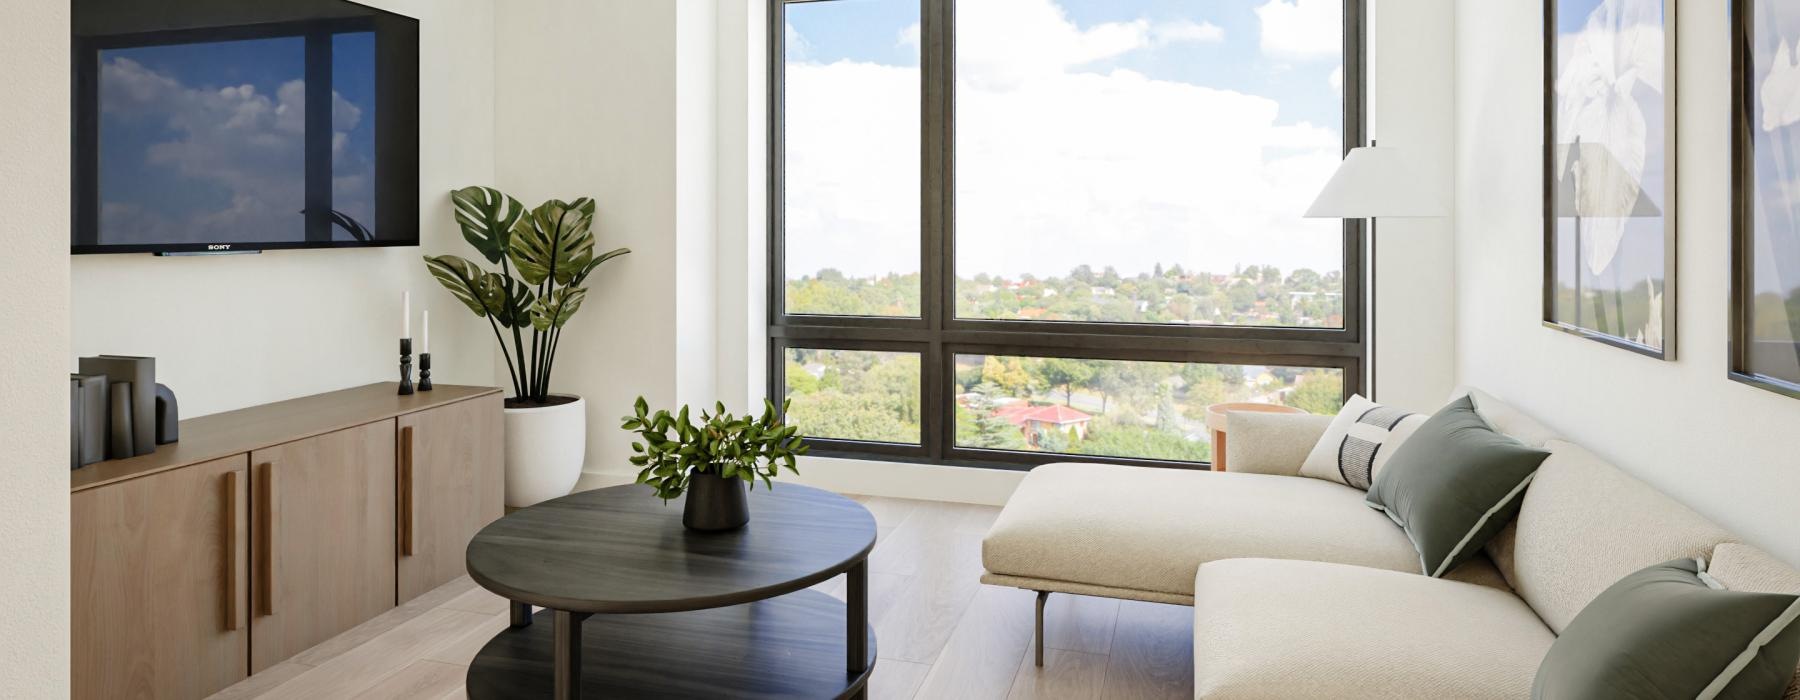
{"points": [[791, 646]]}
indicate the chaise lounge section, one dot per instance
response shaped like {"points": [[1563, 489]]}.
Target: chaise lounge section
{"points": [[1301, 590]]}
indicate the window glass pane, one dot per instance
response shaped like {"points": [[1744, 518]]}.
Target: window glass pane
{"points": [[1143, 161], [1774, 254], [1117, 408], [851, 124], [854, 394]]}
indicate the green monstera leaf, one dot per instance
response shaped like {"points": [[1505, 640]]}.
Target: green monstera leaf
{"points": [[465, 281], [512, 299], [555, 309], [554, 241], [582, 276], [487, 217]]}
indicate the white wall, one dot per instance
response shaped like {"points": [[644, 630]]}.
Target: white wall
{"points": [[614, 100], [34, 505], [1410, 88], [241, 330], [1725, 449]]}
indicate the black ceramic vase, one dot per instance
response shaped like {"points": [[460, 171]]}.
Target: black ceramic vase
{"points": [[715, 503]]}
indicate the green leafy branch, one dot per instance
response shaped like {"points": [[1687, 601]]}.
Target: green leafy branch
{"points": [[730, 446]]}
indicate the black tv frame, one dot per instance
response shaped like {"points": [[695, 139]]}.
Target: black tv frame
{"points": [[397, 159]]}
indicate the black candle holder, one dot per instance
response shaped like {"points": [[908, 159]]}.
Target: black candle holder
{"points": [[424, 371], [406, 384]]}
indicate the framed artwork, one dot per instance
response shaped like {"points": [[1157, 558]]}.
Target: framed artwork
{"points": [[1609, 172], [1765, 191]]}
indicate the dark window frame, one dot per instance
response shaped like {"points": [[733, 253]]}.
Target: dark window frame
{"points": [[937, 336]]}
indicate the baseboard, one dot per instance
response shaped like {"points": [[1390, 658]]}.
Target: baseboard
{"points": [[927, 482]]}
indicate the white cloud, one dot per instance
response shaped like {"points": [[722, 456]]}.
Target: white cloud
{"points": [[1186, 30], [1780, 90], [1337, 80], [248, 145], [795, 44], [1302, 29], [1056, 167]]}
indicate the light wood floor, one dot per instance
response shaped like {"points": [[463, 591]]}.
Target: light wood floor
{"points": [[941, 634]]}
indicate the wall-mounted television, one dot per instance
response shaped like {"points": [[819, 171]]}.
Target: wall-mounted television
{"points": [[231, 126]]}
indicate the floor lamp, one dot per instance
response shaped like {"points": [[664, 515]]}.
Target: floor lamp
{"points": [[1376, 182]]}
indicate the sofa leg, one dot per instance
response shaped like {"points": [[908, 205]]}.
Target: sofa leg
{"points": [[1041, 597]]}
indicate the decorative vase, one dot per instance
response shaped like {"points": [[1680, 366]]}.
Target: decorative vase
{"points": [[545, 447], [714, 503]]}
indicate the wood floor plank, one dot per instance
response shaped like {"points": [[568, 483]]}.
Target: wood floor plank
{"points": [[258, 685], [478, 600], [1066, 675], [981, 658], [1080, 623], [462, 650], [362, 667], [1152, 653], [926, 612], [420, 680], [376, 626], [896, 680], [889, 512]]}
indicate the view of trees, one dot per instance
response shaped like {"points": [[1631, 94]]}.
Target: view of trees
{"points": [[1253, 296], [1075, 406], [854, 394]]}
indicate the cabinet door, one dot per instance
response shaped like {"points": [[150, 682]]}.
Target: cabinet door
{"points": [[324, 551], [159, 572], [451, 484]]}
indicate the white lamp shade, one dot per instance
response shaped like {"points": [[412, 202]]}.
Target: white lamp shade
{"points": [[1377, 182]]}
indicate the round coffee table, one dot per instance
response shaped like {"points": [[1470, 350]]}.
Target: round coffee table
{"points": [[638, 606]]}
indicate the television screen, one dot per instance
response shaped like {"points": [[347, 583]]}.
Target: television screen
{"points": [[206, 125]]}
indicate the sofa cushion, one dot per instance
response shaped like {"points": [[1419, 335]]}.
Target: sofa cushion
{"points": [[1512, 423], [1148, 529], [1670, 630], [1271, 443], [1294, 629], [1741, 567], [1454, 485], [1584, 525], [1359, 442]]}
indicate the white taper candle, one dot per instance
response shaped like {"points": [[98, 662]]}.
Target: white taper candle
{"points": [[406, 314], [425, 323]]}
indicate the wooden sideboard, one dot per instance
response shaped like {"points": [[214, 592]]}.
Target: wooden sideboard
{"points": [[269, 529]]}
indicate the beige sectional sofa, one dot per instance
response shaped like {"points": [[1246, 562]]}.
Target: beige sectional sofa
{"points": [[1301, 590]]}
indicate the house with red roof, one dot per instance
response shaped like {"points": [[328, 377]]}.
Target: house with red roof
{"points": [[1035, 420]]}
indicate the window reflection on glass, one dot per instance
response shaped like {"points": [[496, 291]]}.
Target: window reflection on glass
{"points": [[854, 394], [1117, 408]]}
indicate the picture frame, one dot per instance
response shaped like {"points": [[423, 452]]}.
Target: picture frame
{"points": [[1764, 313], [1609, 172]]}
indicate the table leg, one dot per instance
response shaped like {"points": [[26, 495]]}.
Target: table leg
{"points": [[521, 614], [568, 654], [857, 618]]}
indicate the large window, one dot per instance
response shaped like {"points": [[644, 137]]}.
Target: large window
{"points": [[1006, 230]]}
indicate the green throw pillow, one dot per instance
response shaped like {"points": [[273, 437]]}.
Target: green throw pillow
{"points": [[1453, 485], [1671, 631]]}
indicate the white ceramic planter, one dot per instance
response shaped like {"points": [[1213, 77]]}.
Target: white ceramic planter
{"points": [[544, 451]]}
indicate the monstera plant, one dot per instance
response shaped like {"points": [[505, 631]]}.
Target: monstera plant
{"points": [[544, 256]]}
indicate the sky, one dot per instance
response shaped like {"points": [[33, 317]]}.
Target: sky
{"points": [[1127, 133], [206, 141], [1776, 125]]}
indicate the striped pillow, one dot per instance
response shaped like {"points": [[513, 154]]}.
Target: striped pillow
{"points": [[1359, 442]]}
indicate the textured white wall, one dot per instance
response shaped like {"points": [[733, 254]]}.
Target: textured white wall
{"points": [[34, 505], [1727, 450], [235, 331]]}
